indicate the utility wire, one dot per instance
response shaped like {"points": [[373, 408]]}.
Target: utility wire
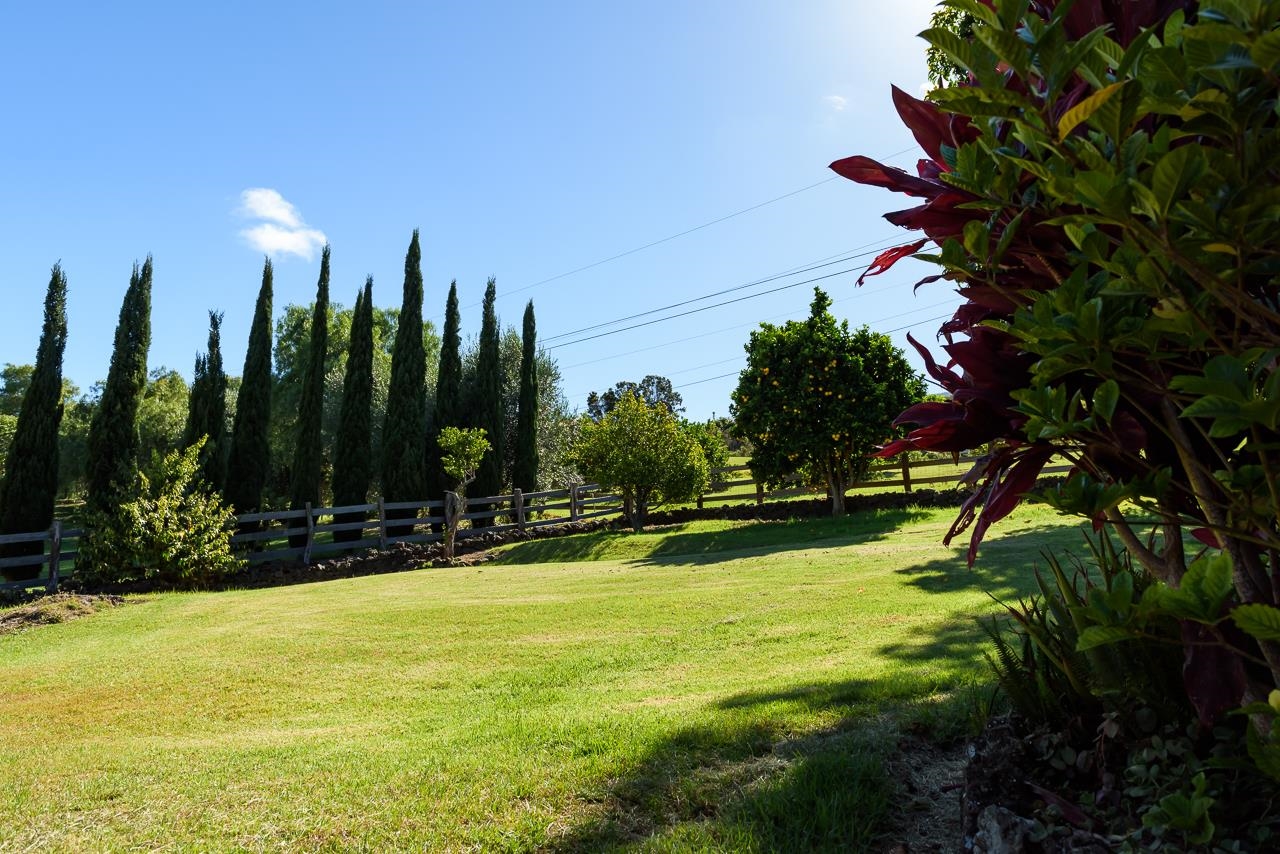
{"points": [[703, 308], [680, 234], [865, 290], [840, 257]]}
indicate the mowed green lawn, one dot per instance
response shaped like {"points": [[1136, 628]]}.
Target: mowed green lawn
{"points": [[714, 686]]}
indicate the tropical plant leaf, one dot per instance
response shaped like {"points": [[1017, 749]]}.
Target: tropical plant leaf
{"points": [[1095, 636], [1258, 621], [1086, 108]]}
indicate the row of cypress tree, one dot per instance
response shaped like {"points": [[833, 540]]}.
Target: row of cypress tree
{"points": [[238, 464]]}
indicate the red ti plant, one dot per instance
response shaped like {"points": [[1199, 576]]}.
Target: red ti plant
{"points": [[1103, 194]]}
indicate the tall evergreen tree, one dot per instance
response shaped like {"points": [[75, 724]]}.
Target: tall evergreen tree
{"points": [[207, 408], [487, 404], [404, 432], [250, 457], [113, 433], [351, 465], [524, 473], [30, 482], [308, 450], [448, 411]]}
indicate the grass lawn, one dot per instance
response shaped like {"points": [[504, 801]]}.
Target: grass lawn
{"points": [[713, 686]]}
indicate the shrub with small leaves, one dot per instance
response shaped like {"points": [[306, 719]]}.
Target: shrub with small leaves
{"points": [[171, 530]]}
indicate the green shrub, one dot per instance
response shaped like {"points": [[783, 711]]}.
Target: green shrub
{"points": [[171, 531]]}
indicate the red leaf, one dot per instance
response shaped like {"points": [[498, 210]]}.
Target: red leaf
{"points": [[1208, 537], [1212, 674], [927, 123], [1006, 493], [864, 170], [889, 257]]}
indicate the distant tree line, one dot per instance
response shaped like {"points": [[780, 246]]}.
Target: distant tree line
{"points": [[332, 404]]}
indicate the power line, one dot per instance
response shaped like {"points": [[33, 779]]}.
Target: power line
{"points": [[703, 308], [735, 358], [865, 290], [687, 231], [840, 257], [680, 234]]}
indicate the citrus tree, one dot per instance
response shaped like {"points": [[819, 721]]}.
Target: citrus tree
{"points": [[642, 451], [461, 451], [817, 399]]}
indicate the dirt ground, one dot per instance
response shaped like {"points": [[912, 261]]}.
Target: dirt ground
{"points": [[58, 608]]}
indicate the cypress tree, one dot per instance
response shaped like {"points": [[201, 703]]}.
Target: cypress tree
{"points": [[524, 473], [308, 449], [30, 483], [250, 457], [404, 432], [448, 387], [351, 468], [487, 408], [113, 432], [207, 408]]}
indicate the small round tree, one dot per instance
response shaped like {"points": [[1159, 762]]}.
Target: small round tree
{"points": [[461, 451], [816, 399], [643, 452]]}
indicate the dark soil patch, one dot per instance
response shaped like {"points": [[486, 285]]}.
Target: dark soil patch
{"points": [[926, 814], [58, 608]]}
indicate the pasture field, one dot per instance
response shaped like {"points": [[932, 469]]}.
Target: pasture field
{"points": [[709, 686]]}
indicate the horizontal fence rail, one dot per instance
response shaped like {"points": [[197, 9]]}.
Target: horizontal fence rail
{"points": [[312, 531]]}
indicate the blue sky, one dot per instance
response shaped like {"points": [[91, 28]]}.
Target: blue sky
{"points": [[524, 140]]}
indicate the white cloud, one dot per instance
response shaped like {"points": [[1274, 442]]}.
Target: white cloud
{"points": [[836, 102], [284, 231]]}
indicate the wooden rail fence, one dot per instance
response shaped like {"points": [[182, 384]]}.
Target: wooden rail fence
{"points": [[303, 534]]}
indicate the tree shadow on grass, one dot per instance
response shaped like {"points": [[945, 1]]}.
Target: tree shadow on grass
{"points": [[702, 547], [761, 538], [747, 782], [1005, 567]]}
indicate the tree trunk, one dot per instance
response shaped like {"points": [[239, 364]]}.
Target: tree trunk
{"points": [[836, 483], [452, 516], [639, 510]]}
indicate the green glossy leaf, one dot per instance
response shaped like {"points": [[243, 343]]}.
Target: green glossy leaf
{"points": [[1266, 50], [1086, 108], [1175, 171], [1105, 398], [1096, 636], [1258, 621]]}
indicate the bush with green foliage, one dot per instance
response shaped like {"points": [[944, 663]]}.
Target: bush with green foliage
{"points": [[169, 529], [641, 451], [711, 439], [817, 399], [1104, 194]]}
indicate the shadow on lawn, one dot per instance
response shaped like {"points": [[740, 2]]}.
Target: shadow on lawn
{"points": [[747, 783], [703, 547], [1005, 566]]}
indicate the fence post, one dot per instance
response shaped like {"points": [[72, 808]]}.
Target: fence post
{"points": [[759, 493], [573, 502], [311, 535], [906, 472], [55, 555], [382, 525], [517, 502]]}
